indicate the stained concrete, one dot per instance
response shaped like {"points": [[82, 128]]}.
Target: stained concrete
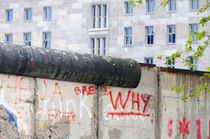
{"points": [[57, 130], [68, 66], [8, 125], [150, 111]]}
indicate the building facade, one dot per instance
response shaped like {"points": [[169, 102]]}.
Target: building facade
{"points": [[106, 27]]}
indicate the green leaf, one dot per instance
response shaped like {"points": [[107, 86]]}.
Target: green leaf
{"points": [[206, 86], [130, 2], [200, 88], [133, 5], [208, 68], [196, 95], [202, 77], [208, 90]]}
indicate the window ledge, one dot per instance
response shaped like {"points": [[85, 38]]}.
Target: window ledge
{"points": [[131, 14], [149, 45], [171, 43], [28, 21], [170, 12], [47, 19], [150, 13], [98, 29], [131, 45], [9, 22]]}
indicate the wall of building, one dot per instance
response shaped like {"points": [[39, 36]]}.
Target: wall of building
{"points": [[43, 108], [71, 27]]}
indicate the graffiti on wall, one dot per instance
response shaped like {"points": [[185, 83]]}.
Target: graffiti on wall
{"points": [[58, 102], [13, 94], [184, 126], [58, 99]]}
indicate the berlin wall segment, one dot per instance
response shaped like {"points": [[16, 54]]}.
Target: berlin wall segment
{"points": [[71, 100]]}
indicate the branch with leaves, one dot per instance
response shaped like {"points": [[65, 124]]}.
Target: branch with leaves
{"points": [[204, 39]]}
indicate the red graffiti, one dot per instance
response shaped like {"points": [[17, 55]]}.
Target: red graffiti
{"points": [[43, 95], [59, 92], [184, 127], [21, 88], [198, 128], [105, 90], [146, 102], [70, 115], [152, 121], [119, 96], [56, 114], [89, 90], [170, 129], [137, 101], [77, 90], [127, 113], [209, 130]]}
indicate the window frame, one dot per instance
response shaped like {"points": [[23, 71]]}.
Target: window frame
{"points": [[171, 9], [128, 36], [9, 20], [147, 7], [45, 17], [46, 40], [150, 59], [128, 8], [149, 35], [172, 63], [24, 38], [98, 45], [6, 37], [193, 62], [99, 21], [25, 15], [191, 5], [195, 40], [171, 33]]}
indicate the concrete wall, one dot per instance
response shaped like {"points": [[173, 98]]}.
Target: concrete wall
{"points": [[43, 108]]}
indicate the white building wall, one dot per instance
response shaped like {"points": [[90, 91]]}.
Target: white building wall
{"points": [[71, 27]]}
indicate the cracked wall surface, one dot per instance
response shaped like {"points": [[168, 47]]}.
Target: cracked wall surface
{"points": [[42, 108]]}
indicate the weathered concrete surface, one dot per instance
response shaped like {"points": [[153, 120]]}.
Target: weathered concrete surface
{"points": [[52, 130], [183, 120], [8, 124], [135, 116], [17, 96], [68, 66], [76, 110]]}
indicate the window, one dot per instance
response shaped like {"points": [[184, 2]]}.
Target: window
{"points": [[99, 13], [171, 34], [47, 13], [8, 38], [172, 5], [149, 35], [98, 46], [171, 62], [194, 4], [150, 6], [46, 39], [128, 8], [27, 39], [148, 60], [194, 28], [28, 14], [128, 36], [9, 15], [193, 63]]}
